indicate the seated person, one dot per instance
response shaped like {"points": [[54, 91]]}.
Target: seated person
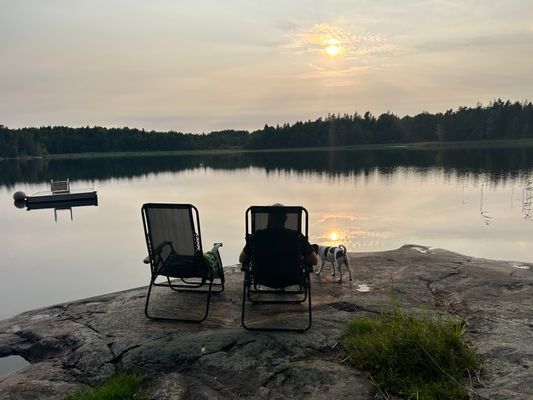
{"points": [[276, 233]]}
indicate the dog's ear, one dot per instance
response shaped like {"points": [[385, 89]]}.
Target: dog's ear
{"points": [[315, 248]]}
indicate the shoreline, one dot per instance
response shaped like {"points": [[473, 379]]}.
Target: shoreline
{"points": [[484, 144]]}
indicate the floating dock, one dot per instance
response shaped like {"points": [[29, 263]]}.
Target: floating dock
{"points": [[63, 205], [73, 195]]}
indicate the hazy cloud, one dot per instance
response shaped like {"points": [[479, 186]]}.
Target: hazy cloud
{"points": [[322, 72], [319, 37], [239, 64]]}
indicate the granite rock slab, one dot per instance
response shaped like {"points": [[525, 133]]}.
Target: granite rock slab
{"points": [[82, 343]]}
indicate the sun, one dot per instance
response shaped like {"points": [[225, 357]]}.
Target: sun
{"points": [[332, 50], [333, 236]]}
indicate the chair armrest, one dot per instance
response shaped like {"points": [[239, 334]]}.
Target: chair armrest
{"points": [[156, 253], [215, 251]]}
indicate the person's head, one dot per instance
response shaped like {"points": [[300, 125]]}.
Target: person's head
{"points": [[276, 219]]}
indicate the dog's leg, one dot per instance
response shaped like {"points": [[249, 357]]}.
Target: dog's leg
{"points": [[322, 262], [339, 267], [348, 267], [333, 265]]}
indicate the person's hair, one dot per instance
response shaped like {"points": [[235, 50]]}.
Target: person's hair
{"points": [[276, 220]]}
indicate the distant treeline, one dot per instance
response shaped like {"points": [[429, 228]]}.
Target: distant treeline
{"points": [[499, 120]]}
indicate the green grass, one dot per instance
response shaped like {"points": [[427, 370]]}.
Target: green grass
{"points": [[416, 357], [120, 387]]}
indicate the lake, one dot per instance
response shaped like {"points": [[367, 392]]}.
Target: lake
{"points": [[472, 201]]}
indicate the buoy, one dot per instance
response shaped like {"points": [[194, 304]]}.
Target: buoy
{"points": [[20, 203], [19, 196]]}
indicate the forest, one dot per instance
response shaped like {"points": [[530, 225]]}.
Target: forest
{"points": [[498, 120]]}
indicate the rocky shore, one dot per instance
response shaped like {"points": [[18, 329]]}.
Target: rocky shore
{"points": [[83, 343]]}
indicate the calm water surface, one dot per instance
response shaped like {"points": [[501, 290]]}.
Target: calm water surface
{"points": [[476, 202]]}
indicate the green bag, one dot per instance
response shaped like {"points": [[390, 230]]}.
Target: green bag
{"points": [[210, 259]]}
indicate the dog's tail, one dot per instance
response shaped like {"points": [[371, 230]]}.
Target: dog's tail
{"points": [[342, 248]]}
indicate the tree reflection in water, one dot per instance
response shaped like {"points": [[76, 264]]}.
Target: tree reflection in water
{"points": [[497, 164]]}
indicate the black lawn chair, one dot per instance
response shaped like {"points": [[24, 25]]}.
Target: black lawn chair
{"points": [[275, 272], [175, 253]]}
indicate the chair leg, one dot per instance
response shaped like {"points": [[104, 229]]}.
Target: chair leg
{"points": [[309, 304], [190, 286], [303, 290], [208, 299], [220, 287], [148, 298], [187, 285], [245, 295], [244, 289], [152, 280], [221, 277]]}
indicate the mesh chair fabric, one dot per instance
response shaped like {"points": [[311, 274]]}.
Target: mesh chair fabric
{"points": [[175, 224], [275, 246], [276, 217]]}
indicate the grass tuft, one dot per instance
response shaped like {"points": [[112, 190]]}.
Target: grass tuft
{"points": [[417, 357], [120, 387]]}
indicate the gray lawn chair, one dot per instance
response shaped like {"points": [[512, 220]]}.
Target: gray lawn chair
{"points": [[275, 272], [175, 253]]}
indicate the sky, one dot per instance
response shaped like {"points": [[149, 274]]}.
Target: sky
{"points": [[199, 66]]}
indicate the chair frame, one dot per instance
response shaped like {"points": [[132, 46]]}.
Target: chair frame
{"points": [[251, 289], [156, 262]]}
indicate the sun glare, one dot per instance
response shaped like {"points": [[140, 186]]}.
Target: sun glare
{"points": [[333, 50], [333, 236], [339, 42]]}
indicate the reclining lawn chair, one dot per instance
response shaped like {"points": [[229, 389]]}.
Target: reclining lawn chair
{"points": [[275, 272], [175, 253]]}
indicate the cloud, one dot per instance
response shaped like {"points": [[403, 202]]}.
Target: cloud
{"points": [[482, 42], [319, 37], [323, 72]]}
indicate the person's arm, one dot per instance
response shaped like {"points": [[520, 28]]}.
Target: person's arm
{"points": [[243, 258], [311, 259]]}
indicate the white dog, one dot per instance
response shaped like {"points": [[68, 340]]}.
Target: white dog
{"points": [[336, 256]]}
